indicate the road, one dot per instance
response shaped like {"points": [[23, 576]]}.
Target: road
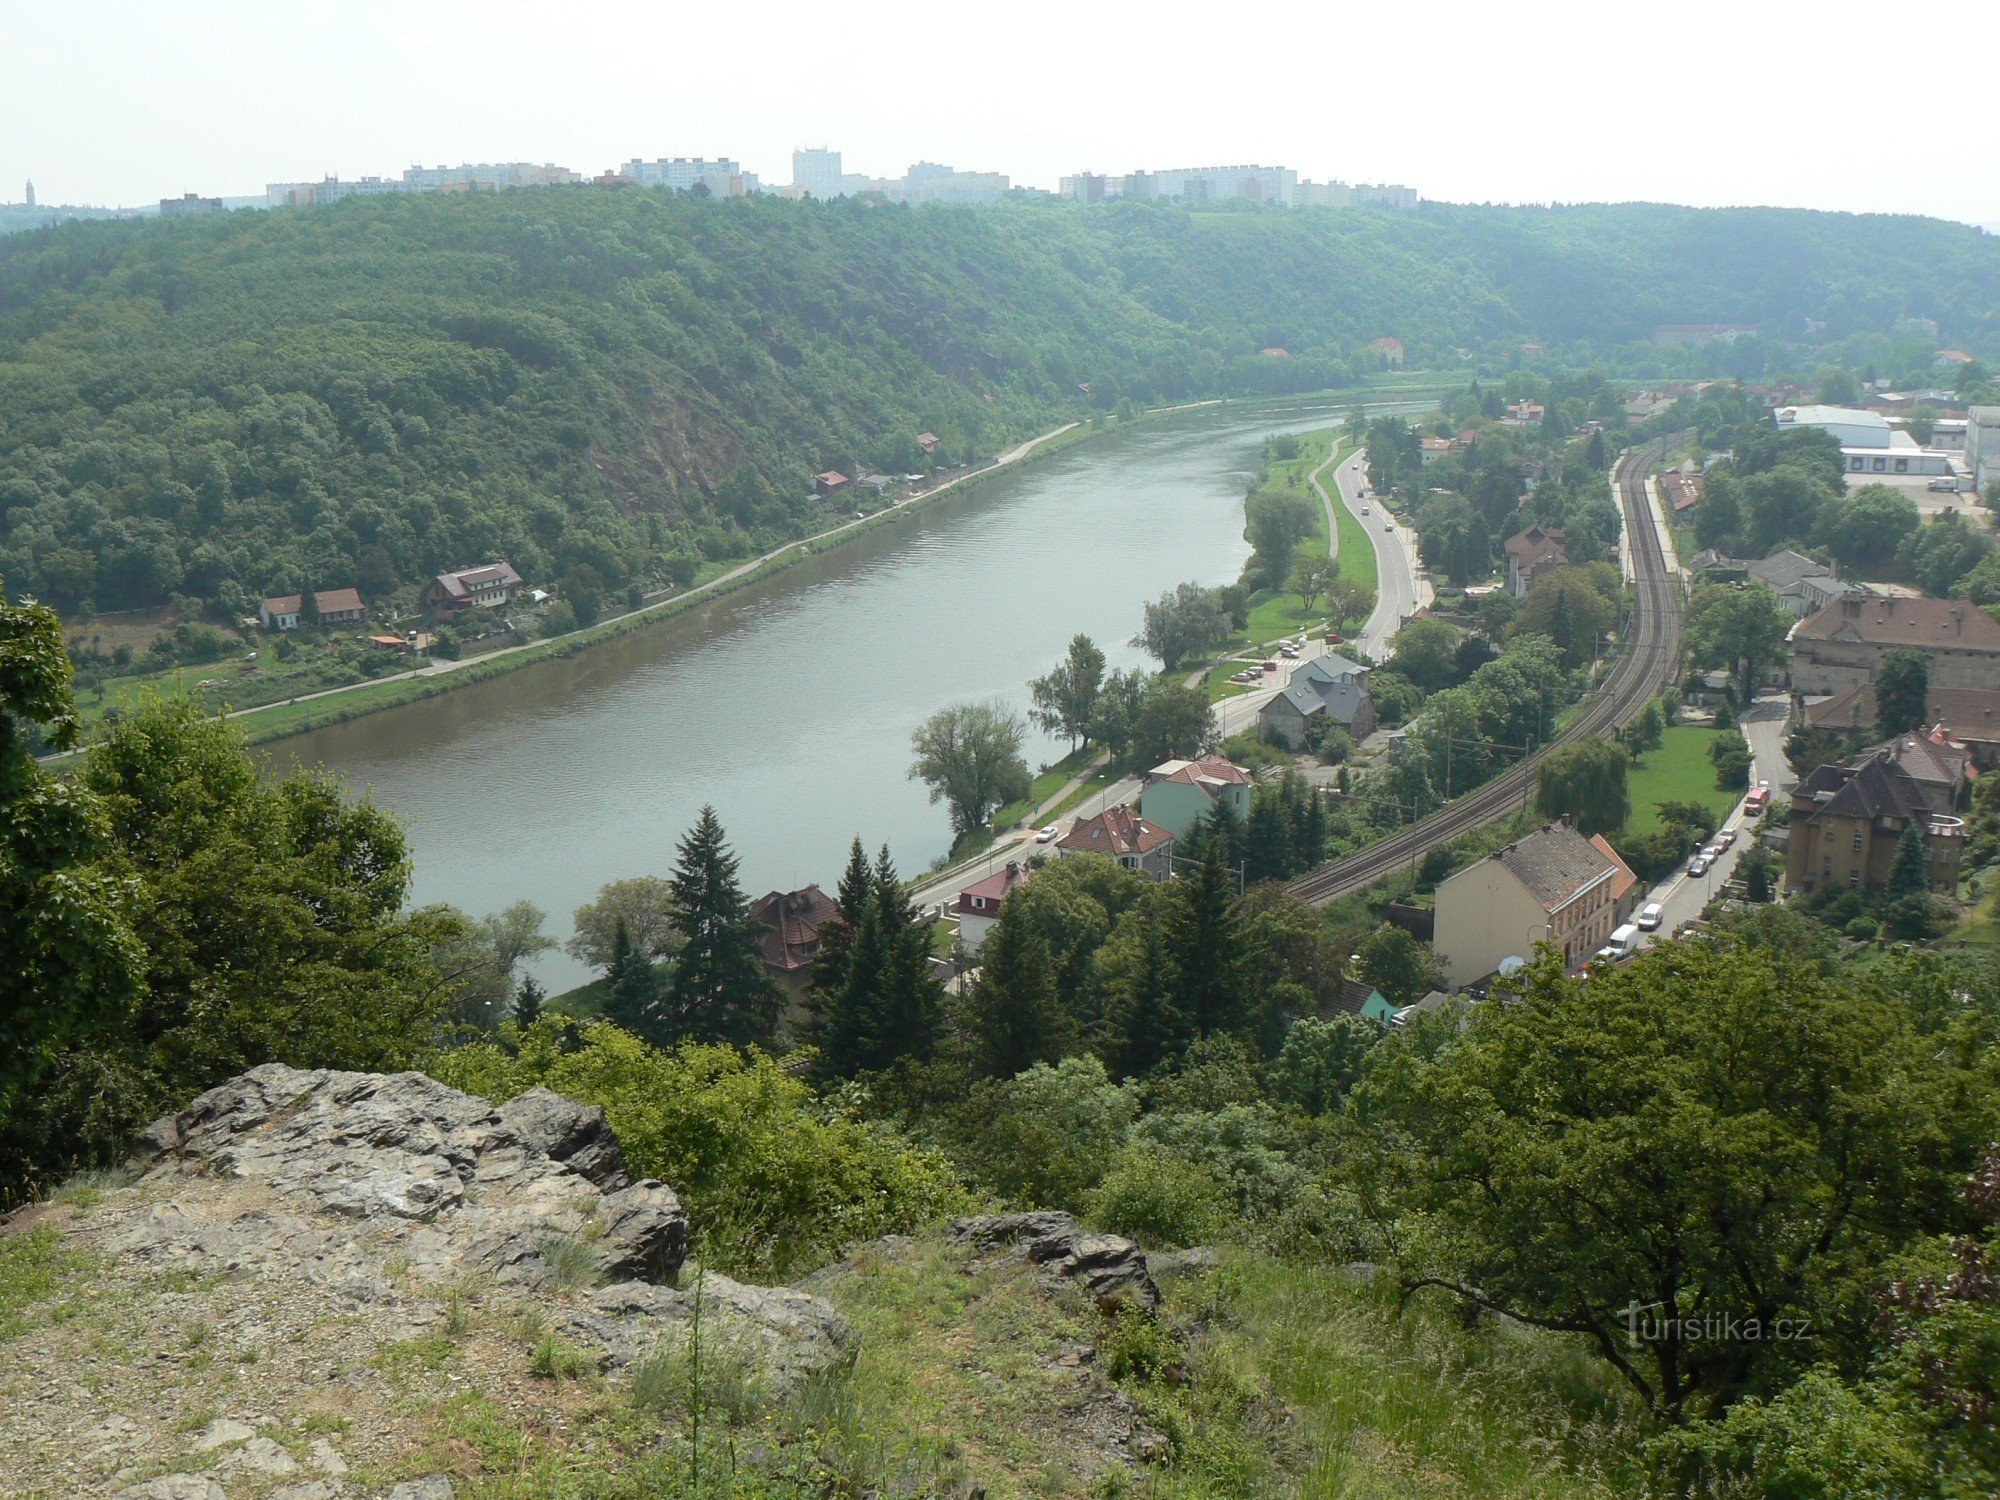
{"points": [[1648, 665], [1400, 587]]}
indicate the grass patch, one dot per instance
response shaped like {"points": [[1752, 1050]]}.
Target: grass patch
{"points": [[34, 1266], [1679, 771]]}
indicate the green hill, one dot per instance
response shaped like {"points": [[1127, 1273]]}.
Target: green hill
{"points": [[633, 380]]}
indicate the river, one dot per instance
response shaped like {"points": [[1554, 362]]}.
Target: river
{"points": [[789, 704]]}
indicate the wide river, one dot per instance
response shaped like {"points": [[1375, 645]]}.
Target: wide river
{"points": [[789, 704]]}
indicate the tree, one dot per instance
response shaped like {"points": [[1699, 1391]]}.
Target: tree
{"points": [[1310, 577], [1275, 524], [1322, 1060], [970, 756], [1732, 762], [1065, 700], [482, 961], [1184, 623], [1585, 782], [1568, 607], [1135, 974], [1013, 1020], [718, 989], [528, 1001], [1348, 599], [1737, 630], [1116, 717], [644, 903], [1864, 529], [633, 990], [1175, 722], [1202, 938], [1909, 870], [1427, 653], [1668, 1160], [878, 999], [1392, 961], [66, 944], [1902, 691]]}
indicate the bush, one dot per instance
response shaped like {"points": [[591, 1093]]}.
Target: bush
{"points": [[1044, 1138], [1862, 929], [1154, 1196], [771, 1187], [1732, 764]]}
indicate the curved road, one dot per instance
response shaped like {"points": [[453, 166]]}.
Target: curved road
{"points": [[1648, 666], [1400, 588]]}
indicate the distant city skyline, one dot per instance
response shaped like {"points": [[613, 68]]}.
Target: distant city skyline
{"points": [[124, 104]]}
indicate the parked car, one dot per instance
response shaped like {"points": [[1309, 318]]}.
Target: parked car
{"points": [[1271, 665], [1651, 915], [1048, 834], [1724, 839], [1623, 942], [1946, 482], [1289, 651], [1698, 866]]}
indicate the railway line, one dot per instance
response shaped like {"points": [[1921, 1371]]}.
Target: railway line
{"points": [[1650, 664]]}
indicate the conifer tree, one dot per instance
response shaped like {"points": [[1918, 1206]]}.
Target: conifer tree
{"points": [[719, 990], [632, 990], [1143, 1019], [1014, 1019], [1907, 875], [528, 1001], [1267, 840], [912, 1006], [1202, 942]]}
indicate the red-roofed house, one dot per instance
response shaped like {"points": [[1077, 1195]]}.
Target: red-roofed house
{"points": [[1128, 838], [1841, 646], [336, 607], [1535, 550], [978, 905], [792, 921], [827, 483], [1625, 887], [1179, 793]]}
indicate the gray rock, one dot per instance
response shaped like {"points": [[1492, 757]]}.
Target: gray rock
{"points": [[645, 1233], [259, 1456], [563, 1130], [312, 1489], [222, 1432], [1109, 1267], [1196, 1260], [175, 1487], [430, 1487], [326, 1458], [791, 1336]]}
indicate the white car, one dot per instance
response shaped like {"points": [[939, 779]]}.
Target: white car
{"points": [[1388, 525], [1724, 839], [1048, 834], [1651, 915], [1364, 510]]}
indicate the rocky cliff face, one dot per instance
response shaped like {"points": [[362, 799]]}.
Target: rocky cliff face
{"points": [[301, 1250]]}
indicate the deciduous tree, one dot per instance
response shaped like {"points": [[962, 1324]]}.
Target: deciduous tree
{"points": [[970, 757]]}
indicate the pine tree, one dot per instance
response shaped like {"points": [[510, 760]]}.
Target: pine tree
{"points": [[1310, 839], [1267, 840], [1145, 1023], [1202, 942], [528, 1001], [632, 990], [850, 1020], [836, 936], [719, 990], [1014, 1019], [1907, 873], [912, 1004]]}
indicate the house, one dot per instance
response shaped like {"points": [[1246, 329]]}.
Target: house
{"points": [[1682, 490], [1125, 836], [1949, 357], [1523, 414], [335, 606], [1965, 717], [825, 484], [1625, 887], [791, 939], [1390, 350], [1357, 997], [1785, 573], [1180, 793], [1431, 449], [487, 586], [1847, 818], [1553, 886], [877, 485], [978, 905], [1841, 645], [1711, 565], [928, 441], [1430, 1001], [1328, 688], [1536, 550]]}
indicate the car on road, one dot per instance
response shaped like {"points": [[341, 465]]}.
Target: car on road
{"points": [[1757, 800], [1724, 839], [1946, 482], [1388, 525], [1289, 651], [1271, 665], [1364, 510], [1698, 866], [1651, 915], [1048, 834]]}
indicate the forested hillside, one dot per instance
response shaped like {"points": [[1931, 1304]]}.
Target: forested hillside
{"points": [[631, 380]]}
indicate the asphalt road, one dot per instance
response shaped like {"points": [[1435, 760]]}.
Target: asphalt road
{"points": [[1400, 588]]}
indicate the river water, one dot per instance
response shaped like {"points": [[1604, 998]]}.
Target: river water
{"points": [[789, 704]]}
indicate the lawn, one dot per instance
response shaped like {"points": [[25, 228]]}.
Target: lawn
{"points": [[1679, 771]]}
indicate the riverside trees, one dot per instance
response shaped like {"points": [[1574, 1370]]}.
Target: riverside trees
{"points": [[970, 757]]}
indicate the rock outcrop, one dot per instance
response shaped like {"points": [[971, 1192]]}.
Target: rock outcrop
{"points": [[310, 1247], [1109, 1268]]}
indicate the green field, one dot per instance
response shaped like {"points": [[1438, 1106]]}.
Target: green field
{"points": [[1679, 771]]}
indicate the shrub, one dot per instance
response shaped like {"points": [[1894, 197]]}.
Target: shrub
{"points": [[769, 1185], [1156, 1197], [1044, 1138]]}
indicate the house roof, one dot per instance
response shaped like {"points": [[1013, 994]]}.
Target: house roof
{"points": [[1538, 544], [830, 478], [462, 582], [1555, 864], [1784, 568], [1919, 621], [1210, 772], [1116, 830], [1329, 667], [1966, 713], [329, 601], [791, 921], [1873, 786], [1353, 996], [1623, 878], [995, 887]]}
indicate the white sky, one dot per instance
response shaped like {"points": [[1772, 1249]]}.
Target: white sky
{"points": [[1833, 105]]}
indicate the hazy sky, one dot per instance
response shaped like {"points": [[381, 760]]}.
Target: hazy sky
{"points": [[1833, 105]]}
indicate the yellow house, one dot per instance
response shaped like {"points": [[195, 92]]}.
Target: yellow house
{"points": [[1553, 886]]}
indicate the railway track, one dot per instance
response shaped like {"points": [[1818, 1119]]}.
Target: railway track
{"points": [[1650, 664]]}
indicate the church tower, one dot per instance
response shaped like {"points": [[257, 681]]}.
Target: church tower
{"points": [[31, 192]]}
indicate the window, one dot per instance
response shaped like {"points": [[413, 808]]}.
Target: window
{"points": [[1881, 465], [1854, 877], [1902, 466], [1857, 841]]}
